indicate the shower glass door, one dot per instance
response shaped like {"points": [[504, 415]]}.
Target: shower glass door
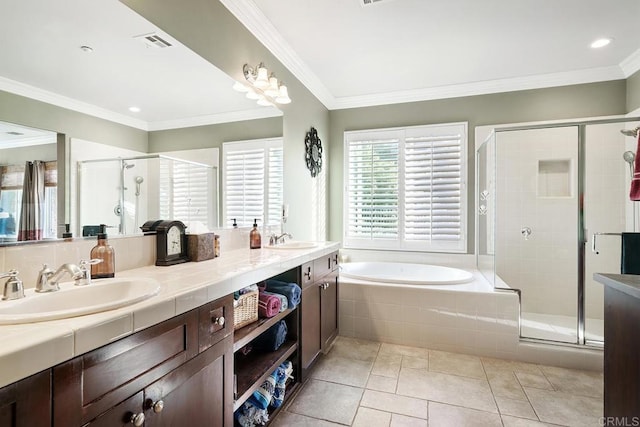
{"points": [[536, 245]]}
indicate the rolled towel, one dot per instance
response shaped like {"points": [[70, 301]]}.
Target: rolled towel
{"points": [[291, 290], [263, 395], [272, 338], [268, 305], [284, 304], [282, 373]]}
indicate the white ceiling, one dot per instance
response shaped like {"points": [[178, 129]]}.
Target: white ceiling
{"points": [[40, 57], [346, 54], [403, 50]]}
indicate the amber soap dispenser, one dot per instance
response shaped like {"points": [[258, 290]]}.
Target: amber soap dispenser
{"points": [[104, 252], [255, 240]]}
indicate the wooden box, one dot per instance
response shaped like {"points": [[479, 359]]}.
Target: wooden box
{"points": [[201, 246]]}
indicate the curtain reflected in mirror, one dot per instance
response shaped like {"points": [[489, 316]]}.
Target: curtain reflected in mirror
{"points": [[28, 201]]}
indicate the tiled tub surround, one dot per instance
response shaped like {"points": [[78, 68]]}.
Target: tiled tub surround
{"points": [[469, 318], [30, 348]]}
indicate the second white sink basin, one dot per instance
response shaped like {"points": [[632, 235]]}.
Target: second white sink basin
{"points": [[293, 244], [72, 301]]}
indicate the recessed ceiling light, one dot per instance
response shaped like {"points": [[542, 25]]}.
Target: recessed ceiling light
{"points": [[134, 109], [86, 48], [600, 43]]}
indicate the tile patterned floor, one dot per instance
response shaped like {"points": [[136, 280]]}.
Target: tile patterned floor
{"points": [[369, 384]]}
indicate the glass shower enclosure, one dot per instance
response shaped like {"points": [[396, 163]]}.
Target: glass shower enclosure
{"points": [[123, 193], [544, 193]]}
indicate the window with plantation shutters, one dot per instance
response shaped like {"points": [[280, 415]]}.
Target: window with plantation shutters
{"points": [[184, 191], [253, 181], [404, 188]]}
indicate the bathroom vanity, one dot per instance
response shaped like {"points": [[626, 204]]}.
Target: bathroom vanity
{"points": [[621, 348], [186, 368]]}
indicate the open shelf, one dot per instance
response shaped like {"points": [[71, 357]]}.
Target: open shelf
{"points": [[245, 335], [252, 369]]}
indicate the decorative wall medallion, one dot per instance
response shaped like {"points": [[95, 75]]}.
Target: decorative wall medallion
{"points": [[313, 155]]}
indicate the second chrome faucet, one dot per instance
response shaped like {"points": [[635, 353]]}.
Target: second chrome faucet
{"points": [[81, 275]]}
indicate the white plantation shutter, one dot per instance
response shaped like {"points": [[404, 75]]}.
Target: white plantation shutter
{"points": [[184, 191], [405, 188], [253, 181]]}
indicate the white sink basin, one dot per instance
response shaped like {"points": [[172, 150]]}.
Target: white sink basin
{"points": [[293, 244], [71, 300]]}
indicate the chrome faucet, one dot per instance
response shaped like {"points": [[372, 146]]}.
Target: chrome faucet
{"points": [[48, 279], [13, 288], [273, 240]]}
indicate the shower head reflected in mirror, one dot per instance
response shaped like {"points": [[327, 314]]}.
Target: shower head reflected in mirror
{"points": [[139, 180], [629, 157]]}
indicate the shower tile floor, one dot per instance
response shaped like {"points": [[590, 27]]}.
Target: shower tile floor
{"points": [[559, 328], [370, 384]]}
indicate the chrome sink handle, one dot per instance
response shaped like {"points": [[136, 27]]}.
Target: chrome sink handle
{"points": [[85, 278], [13, 288]]}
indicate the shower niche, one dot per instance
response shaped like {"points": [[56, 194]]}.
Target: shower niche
{"points": [[554, 178], [123, 193]]}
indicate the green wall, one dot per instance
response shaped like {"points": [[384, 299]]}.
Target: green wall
{"points": [[588, 100], [633, 92]]}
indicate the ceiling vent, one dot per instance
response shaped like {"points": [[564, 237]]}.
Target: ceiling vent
{"points": [[153, 40], [364, 3]]}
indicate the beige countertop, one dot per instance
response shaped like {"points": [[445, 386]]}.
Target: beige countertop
{"points": [[30, 348]]}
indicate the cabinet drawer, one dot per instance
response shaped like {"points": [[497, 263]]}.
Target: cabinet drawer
{"points": [[87, 385], [216, 321], [322, 266]]}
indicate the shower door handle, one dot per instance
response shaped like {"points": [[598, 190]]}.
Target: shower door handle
{"points": [[526, 232]]}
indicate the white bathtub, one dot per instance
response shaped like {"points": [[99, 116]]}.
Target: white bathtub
{"points": [[405, 273]]}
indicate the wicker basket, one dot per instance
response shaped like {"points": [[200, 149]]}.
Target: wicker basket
{"points": [[245, 310]]}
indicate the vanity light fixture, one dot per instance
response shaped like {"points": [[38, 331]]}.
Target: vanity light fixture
{"points": [[600, 43], [262, 86]]}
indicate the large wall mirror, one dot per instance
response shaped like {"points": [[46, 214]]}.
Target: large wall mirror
{"points": [[116, 169]]}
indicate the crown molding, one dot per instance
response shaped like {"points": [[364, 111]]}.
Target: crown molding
{"points": [[540, 81], [263, 30], [33, 92], [631, 64], [211, 119]]}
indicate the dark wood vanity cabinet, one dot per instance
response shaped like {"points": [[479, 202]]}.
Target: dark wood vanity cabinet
{"points": [[27, 403], [180, 368], [319, 280]]}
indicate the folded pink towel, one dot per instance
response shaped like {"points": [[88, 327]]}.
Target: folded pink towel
{"points": [[268, 305]]}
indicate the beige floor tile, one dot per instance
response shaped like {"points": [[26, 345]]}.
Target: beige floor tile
{"points": [[387, 365], [573, 381], [288, 419], [415, 362], [456, 364], [441, 415], [516, 408], [492, 365], [393, 403], [469, 392], [327, 401], [561, 408], [506, 384], [352, 348], [367, 417], [534, 380], [404, 350], [380, 383], [509, 421], [343, 371], [404, 421]]}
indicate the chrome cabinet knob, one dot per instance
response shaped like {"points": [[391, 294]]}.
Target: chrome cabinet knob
{"points": [[137, 419], [159, 405], [219, 321]]}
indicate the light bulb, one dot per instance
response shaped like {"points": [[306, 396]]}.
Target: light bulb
{"points": [[283, 96], [273, 89], [262, 80]]}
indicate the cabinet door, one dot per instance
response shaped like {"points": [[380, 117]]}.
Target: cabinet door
{"points": [[27, 403], [310, 310], [199, 393], [329, 310]]}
